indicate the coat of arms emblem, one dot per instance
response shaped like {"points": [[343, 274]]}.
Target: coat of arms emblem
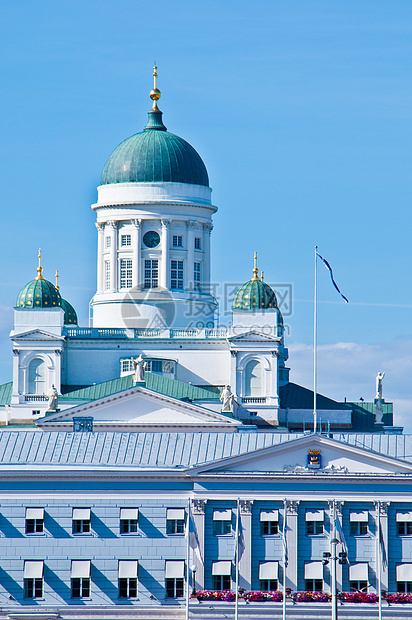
{"points": [[314, 459]]}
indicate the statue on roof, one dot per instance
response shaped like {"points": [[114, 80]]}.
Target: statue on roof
{"points": [[379, 379], [53, 398], [227, 399], [139, 366]]}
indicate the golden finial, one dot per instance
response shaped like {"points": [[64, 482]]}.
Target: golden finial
{"points": [[155, 93], [57, 279], [39, 268], [255, 270], [261, 275]]}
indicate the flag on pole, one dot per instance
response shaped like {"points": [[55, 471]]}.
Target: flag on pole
{"points": [[191, 535], [239, 544], [342, 539], [382, 549], [329, 268], [285, 547]]}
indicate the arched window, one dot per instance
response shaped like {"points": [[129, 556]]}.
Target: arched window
{"points": [[37, 377], [253, 379]]}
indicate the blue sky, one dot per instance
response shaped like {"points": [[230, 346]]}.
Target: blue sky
{"points": [[302, 113]]}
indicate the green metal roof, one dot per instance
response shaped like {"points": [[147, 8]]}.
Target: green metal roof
{"points": [[254, 295], [156, 383], [5, 393], [155, 156], [70, 316], [39, 293]]}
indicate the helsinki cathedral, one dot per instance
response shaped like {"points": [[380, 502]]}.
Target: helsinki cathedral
{"points": [[154, 302]]}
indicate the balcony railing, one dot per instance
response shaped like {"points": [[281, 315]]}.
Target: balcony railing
{"points": [[114, 333], [256, 400], [35, 398]]}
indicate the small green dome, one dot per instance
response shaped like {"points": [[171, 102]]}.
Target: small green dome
{"points": [[39, 293], [70, 316], [254, 295], [155, 156]]}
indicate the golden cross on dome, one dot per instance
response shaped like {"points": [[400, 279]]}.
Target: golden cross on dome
{"points": [[255, 271], [155, 93], [57, 279], [39, 268]]}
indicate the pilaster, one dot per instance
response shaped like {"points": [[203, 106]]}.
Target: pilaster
{"points": [[207, 230], [113, 255], [292, 511], [100, 259], [165, 260], [245, 560], [339, 567], [137, 254], [189, 276], [199, 506], [382, 509]]}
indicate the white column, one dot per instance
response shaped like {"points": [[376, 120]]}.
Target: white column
{"points": [[207, 230], [191, 225], [17, 389], [113, 256], [100, 259], [245, 563], [165, 259], [137, 254], [292, 545], [199, 506], [273, 392]]}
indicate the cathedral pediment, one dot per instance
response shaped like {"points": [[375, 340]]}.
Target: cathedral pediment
{"points": [[35, 334], [308, 455], [253, 336], [139, 408]]}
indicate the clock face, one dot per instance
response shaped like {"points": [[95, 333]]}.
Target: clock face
{"points": [[151, 239]]}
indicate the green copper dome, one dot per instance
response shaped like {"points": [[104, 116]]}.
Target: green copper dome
{"points": [[155, 156], [39, 293], [254, 295], [70, 316]]}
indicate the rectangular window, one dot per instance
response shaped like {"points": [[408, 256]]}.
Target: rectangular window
{"points": [[177, 241], [175, 521], [197, 243], [222, 521], [108, 242], [174, 578], [81, 521], [106, 275], [155, 365], [80, 587], [151, 273], [80, 578], [268, 585], [33, 588], [175, 587], [269, 522], [33, 578], [126, 365], [196, 276], [129, 520], [221, 582], [314, 585], [125, 240], [404, 528], [358, 528], [125, 273], [128, 578], [34, 520], [128, 587], [404, 523], [358, 586], [269, 528], [314, 527], [176, 274], [404, 586]]}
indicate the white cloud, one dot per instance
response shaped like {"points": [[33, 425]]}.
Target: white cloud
{"points": [[347, 369]]}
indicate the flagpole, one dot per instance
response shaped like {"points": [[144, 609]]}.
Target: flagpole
{"points": [[315, 321], [187, 559], [237, 562], [334, 558], [378, 559], [284, 562]]}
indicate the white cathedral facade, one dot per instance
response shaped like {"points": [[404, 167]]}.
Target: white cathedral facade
{"points": [[112, 434]]}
